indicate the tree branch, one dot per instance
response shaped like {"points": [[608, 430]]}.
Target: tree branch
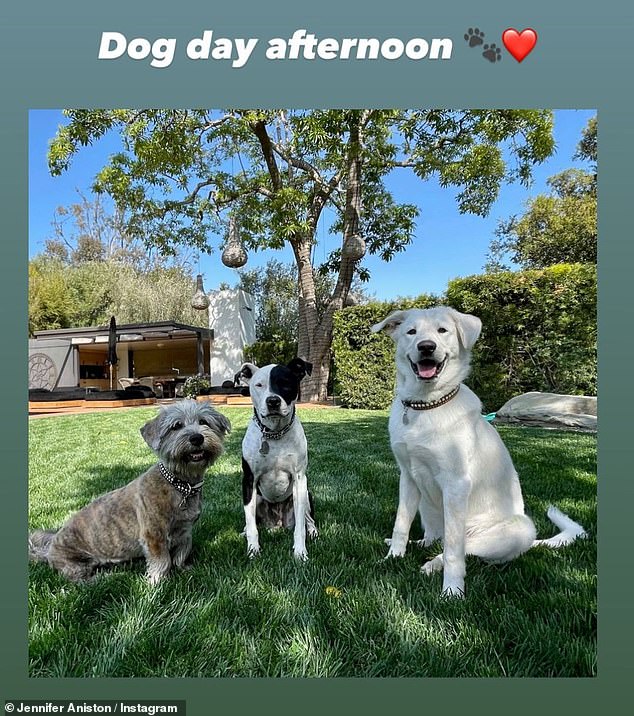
{"points": [[298, 163], [259, 129], [216, 123], [351, 219]]}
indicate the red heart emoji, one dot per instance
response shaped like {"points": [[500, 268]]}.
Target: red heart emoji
{"points": [[519, 44]]}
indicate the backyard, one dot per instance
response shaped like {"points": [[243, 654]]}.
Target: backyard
{"points": [[346, 612]]}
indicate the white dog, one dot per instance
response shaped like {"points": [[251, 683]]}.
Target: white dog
{"points": [[455, 469], [275, 456]]}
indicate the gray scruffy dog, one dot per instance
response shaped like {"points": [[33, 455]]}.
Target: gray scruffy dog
{"points": [[153, 515]]}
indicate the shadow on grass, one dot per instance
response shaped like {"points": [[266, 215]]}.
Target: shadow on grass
{"points": [[346, 612]]}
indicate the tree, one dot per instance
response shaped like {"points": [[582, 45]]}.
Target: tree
{"points": [[91, 268], [587, 147], [50, 300], [182, 171], [559, 227], [86, 231], [87, 294], [275, 291]]}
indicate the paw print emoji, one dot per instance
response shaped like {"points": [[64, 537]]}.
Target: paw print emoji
{"points": [[474, 37], [492, 52]]}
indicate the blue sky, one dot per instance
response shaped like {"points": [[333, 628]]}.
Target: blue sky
{"points": [[446, 244]]}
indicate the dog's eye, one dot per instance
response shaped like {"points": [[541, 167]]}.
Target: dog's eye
{"points": [[259, 385], [177, 425], [202, 421], [411, 332], [442, 330]]}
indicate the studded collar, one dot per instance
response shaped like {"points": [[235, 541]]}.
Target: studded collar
{"points": [[185, 488], [272, 434], [430, 404]]}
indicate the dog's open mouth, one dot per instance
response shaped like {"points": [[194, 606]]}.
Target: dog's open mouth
{"points": [[428, 368], [197, 456]]}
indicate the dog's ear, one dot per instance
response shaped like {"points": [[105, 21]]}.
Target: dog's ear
{"points": [[469, 328], [300, 368], [390, 324], [246, 372], [218, 421], [151, 433]]}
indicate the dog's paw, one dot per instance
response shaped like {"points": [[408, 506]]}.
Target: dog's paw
{"points": [[154, 578], [312, 533], [434, 565], [392, 555], [416, 542], [428, 540], [453, 592], [253, 550], [394, 551], [300, 555]]}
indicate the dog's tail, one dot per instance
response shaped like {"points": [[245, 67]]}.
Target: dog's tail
{"points": [[570, 530], [39, 544]]}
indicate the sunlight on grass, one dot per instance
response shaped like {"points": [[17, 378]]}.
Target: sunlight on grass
{"points": [[346, 612]]}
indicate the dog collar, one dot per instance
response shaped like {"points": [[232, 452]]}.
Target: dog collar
{"points": [[427, 405], [271, 434], [185, 488]]}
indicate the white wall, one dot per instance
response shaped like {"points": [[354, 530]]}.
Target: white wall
{"points": [[232, 318], [123, 365], [53, 363]]}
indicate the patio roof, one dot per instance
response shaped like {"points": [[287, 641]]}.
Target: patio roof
{"points": [[129, 332]]}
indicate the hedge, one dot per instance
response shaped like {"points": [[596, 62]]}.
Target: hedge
{"points": [[539, 333], [364, 361], [265, 352]]}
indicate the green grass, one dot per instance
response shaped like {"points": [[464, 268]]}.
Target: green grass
{"points": [[231, 616]]}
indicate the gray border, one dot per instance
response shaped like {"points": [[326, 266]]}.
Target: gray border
{"points": [[48, 55]]}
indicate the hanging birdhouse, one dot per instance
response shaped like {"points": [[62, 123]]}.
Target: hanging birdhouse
{"points": [[200, 300], [234, 254], [354, 248]]}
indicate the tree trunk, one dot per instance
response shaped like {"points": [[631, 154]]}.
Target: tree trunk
{"points": [[314, 387], [315, 335], [315, 332], [309, 346]]}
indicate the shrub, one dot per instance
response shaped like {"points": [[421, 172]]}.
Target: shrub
{"points": [[539, 333], [364, 361], [266, 352], [197, 385]]}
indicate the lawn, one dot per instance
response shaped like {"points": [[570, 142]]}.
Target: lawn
{"points": [[344, 613]]}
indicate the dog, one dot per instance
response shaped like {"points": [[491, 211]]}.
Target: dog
{"points": [[275, 456], [454, 468], [150, 517]]}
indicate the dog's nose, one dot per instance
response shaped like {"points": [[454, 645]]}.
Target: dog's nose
{"points": [[196, 439], [273, 402], [426, 348]]}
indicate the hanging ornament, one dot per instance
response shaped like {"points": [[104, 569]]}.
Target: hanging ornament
{"points": [[200, 300], [354, 248], [234, 254]]}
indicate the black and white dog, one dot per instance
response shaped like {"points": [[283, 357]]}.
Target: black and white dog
{"points": [[275, 456]]}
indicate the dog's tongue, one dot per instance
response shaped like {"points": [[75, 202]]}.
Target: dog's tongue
{"points": [[426, 369]]}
